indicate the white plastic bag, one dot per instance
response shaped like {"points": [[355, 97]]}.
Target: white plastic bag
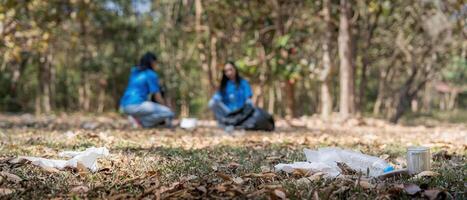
{"points": [[189, 123], [326, 159], [87, 158]]}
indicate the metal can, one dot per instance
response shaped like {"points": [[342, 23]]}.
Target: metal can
{"points": [[418, 159]]}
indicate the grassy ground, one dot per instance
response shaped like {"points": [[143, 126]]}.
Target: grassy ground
{"points": [[208, 163]]}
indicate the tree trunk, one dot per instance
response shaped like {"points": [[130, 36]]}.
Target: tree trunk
{"points": [[101, 99], [405, 96], [44, 85], [290, 99], [326, 99], [452, 99], [346, 66], [198, 12], [271, 100], [213, 65]]}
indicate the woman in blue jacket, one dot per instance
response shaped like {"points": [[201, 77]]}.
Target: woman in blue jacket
{"points": [[234, 92], [142, 86]]}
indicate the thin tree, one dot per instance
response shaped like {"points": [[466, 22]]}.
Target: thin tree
{"points": [[346, 106]]}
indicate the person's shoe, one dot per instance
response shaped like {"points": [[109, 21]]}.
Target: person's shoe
{"points": [[229, 129], [135, 123]]}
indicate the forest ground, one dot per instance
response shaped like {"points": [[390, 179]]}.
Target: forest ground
{"points": [[208, 163]]}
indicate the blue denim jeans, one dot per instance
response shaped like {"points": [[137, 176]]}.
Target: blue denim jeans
{"points": [[149, 113], [220, 109]]}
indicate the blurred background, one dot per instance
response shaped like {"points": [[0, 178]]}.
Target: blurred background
{"points": [[380, 58]]}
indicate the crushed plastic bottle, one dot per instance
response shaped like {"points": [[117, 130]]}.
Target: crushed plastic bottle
{"points": [[355, 160]]}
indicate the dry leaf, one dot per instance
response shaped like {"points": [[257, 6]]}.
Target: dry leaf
{"points": [[238, 180], [234, 165], [279, 193], [365, 184], [224, 176], [188, 178], [50, 169], [5, 191], [11, 177], [411, 189], [301, 172], [82, 170], [202, 189], [260, 175], [221, 188], [18, 161], [346, 170], [79, 189], [436, 194], [265, 169], [273, 158], [426, 174], [315, 195]]}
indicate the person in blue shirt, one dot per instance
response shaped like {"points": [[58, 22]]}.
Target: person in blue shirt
{"points": [[142, 86], [233, 93]]}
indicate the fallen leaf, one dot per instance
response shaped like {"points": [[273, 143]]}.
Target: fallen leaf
{"points": [[5, 191], [273, 158], [255, 193], [260, 175], [234, 165], [346, 170], [202, 189], [301, 172], [18, 160], [365, 184], [265, 169], [426, 174], [411, 189], [238, 180], [224, 176], [82, 170], [221, 188], [315, 195], [50, 169], [279, 193], [436, 194], [79, 189], [188, 178], [11, 177]]}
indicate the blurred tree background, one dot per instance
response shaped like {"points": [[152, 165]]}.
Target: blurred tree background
{"points": [[302, 57]]}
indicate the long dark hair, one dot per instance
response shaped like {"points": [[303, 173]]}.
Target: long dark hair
{"points": [[225, 78], [145, 62]]}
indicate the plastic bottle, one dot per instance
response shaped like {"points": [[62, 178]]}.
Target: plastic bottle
{"points": [[356, 161], [361, 162]]}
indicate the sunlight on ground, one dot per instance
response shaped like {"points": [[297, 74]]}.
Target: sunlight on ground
{"points": [[207, 162]]}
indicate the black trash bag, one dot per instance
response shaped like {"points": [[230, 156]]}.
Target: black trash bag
{"points": [[249, 118], [237, 117], [260, 120]]}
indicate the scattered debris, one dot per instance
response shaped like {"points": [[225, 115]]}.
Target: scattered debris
{"points": [[335, 161], [87, 158]]}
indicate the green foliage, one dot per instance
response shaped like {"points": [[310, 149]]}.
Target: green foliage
{"points": [[76, 55]]}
